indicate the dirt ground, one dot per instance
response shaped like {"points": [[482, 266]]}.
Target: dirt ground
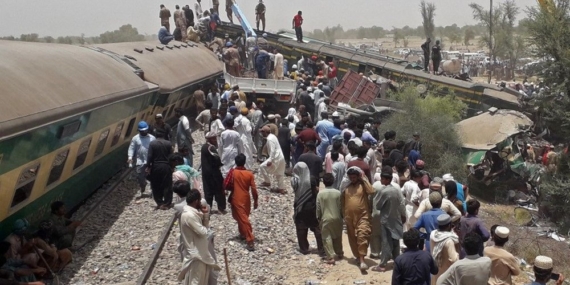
{"points": [[524, 243], [310, 267]]}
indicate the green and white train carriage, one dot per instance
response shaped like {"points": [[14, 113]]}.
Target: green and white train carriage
{"points": [[68, 114]]}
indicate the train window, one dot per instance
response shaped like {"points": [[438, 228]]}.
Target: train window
{"points": [[170, 111], [102, 141], [57, 167], [130, 127], [82, 153], [25, 184], [378, 70], [361, 68], [329, 59], [69, 129], [117, 134]]}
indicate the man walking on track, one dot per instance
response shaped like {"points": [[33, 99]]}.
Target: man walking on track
{"points": [[212, 179], [240, 201], [260, 15], [275, 162], [159, 170], [138, 150], [198, 264], [297, 23]]}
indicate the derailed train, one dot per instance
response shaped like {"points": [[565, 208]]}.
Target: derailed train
{"points": [[477, 96], [69, 112]]}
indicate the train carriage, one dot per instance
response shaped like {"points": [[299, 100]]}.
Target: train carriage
{"points": [[477, 96], [177, 68], [69, 112]]}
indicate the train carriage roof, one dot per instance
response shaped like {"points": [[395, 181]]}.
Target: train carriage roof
{"points": [[171, 67], [306, 47], [41, 83]]}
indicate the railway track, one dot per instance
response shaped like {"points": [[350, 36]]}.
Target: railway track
{"points": [[118, 234]]}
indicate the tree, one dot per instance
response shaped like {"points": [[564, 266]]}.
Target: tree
{"points": [[49, 39], [30, 37], [428, 14], [468, 36], [125, 33], [548, 31], [454, 38], [503, 39], [441, 149], [397, 36]]}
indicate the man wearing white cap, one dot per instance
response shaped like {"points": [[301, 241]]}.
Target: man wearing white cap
{"points": [[472, 270], [543, 266], [444, 245], [504, 264], [275, 162]]}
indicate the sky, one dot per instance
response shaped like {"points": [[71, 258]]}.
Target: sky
{"points": [[93, 17]]}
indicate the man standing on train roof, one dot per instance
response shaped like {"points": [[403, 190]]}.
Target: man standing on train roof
{"points": [[297, 23], [159, 171], [164, 16], [198, 9], [162, 127], [138, 150], [260, 15], [229, 11], [184, 134], [177, 14], [436, 56], [426, 49], [216, 6]]}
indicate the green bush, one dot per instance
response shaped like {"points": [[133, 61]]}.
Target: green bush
{"points": [[434, 118], [555, 195]]}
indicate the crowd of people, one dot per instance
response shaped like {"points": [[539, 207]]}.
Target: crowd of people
{"points": [[29, 255], [345, 178]]}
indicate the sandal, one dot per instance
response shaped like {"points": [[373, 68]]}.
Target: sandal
{"points": [[363, 266], [250, 247], [378, 269]]}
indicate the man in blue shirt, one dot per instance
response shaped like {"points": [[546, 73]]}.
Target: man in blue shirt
{"points": [[428, 220], [164, 36], [322, 129], [414, 266], [472, 223]]}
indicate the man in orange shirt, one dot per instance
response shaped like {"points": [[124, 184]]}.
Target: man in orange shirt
{"points": [[297, 23], [240, 200]]}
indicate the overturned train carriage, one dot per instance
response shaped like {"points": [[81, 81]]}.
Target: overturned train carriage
{"points": [[69, 112], [477, 96]]}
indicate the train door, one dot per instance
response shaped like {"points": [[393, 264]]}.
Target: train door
{"points": [[362, 68]]}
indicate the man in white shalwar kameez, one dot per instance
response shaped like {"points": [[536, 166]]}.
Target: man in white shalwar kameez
{"points": [[275, 162], [278, 65], [198, 264], [243, 126], [216, 127], [232, 146]]}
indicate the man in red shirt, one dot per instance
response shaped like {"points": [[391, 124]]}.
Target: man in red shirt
{"points": [[297, 22]]}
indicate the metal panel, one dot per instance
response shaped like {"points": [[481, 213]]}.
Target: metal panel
{"points": [[354, 90]]}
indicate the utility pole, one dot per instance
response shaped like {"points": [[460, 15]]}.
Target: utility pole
{"points": [[491, 61]]}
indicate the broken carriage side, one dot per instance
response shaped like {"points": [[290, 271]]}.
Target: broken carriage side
{"points": [[494, 146]]}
